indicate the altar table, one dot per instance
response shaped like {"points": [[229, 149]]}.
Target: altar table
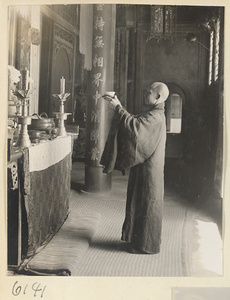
{"points": [[45, 180]]}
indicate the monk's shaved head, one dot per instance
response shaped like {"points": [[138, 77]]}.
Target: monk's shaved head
{"points": [[161, 89]]}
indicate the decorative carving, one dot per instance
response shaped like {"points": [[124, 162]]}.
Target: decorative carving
{"points": [[64, 35], [14, 174], [162, 24], [59, 44], [35, 36]]}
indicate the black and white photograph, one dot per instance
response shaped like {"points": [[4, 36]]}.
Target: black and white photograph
{"points": [[115, 145], [125, 183]]}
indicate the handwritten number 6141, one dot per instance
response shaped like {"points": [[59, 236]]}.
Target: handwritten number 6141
{"points": [[18, 289]]}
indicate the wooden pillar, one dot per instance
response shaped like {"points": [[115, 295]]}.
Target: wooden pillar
{"points": [[98, 121], [35, 57]]}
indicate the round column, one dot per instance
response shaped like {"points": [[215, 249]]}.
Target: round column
{"points": [[98, 120]]}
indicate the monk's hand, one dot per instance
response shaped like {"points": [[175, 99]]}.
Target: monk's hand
{"points": [[113, 101]]}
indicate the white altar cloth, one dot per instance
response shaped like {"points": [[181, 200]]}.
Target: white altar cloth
{"points": [[49, 153]]}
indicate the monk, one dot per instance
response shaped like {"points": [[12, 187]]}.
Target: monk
{"points": [[138, 143]]}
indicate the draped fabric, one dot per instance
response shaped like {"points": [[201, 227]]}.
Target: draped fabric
{"points": [[46, 195], [46, 154], [86, 33], [139, 142]]}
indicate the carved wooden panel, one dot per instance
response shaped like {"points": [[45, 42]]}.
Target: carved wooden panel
{"points": [[62, 65]]}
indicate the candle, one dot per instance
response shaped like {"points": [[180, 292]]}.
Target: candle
{"points": [[62, 107], [25, 79], [62, 85]]}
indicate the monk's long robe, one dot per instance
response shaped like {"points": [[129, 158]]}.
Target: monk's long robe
{"points": [[139, 142]]}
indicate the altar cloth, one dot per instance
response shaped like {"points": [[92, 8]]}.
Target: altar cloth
{"points": [[46, 192], [46, 154]]}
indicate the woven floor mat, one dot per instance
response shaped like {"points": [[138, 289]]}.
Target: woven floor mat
{"points": [[63, 254], [107, 254]]}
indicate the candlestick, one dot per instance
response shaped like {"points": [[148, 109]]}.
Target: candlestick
{"points": [[23, 139], [61, 115], [23, 98], [62, 85]]}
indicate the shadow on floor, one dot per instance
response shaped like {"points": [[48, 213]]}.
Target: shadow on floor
{"points": [[77, 186], [111, 246]]}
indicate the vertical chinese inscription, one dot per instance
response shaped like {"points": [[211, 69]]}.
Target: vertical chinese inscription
{"points": [[97, 78]]}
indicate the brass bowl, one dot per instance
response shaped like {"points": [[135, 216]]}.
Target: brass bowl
{"points": [[42, 124]]}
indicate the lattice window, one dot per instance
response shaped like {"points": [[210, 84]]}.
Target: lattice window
{"points": [[217, 50], [211, 57], [214, 52]]}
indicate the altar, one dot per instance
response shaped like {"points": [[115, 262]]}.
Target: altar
{"points": [[38, 195]]}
